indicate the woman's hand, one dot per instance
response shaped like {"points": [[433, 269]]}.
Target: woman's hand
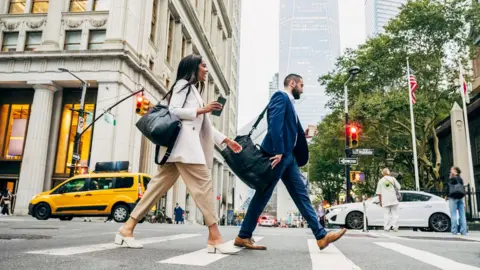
{"points": [[237, 148], [214, 106]]}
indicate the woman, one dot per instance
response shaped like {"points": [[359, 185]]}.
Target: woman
{"points": [[456, 203], [191, 157], [387, 194]]}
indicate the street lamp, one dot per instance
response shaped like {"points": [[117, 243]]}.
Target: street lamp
{"points": [[353, 71], [80, 122]]}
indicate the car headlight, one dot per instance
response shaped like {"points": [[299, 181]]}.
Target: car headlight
{"points": [[337, 209]]}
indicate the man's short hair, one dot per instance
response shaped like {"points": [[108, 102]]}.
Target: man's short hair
{"points": [[291, 77]]}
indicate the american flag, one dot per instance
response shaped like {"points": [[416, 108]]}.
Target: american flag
{"points": [[413, 87], [463, 84]]}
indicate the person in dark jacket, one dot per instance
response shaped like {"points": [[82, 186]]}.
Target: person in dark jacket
{"points": [[456, 202], [178, 212]]}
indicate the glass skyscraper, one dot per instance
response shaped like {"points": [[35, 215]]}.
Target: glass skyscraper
{"points": [[378, 13], [309, 46]]}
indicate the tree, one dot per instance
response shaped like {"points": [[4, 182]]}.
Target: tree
{"points": [[434, 35]]}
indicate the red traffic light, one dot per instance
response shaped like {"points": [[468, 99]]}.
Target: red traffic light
{"points": [[353, 130]]}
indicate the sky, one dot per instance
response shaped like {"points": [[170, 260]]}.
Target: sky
{"points": [[259, 49]]}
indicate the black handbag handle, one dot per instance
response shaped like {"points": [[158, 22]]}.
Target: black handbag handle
{"points": [[260, 117]]}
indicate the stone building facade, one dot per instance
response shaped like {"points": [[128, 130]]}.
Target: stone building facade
{"points": [[118, 47]]}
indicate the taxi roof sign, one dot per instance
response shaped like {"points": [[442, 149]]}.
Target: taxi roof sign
{"points": [[113, 166]]}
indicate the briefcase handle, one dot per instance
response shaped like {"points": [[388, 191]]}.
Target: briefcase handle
{"points": [[260, 117]]}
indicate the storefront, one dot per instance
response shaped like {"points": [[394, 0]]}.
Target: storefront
{"points": [[15, 107]]}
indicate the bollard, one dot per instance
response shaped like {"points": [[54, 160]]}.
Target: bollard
{"points": [[365, 228]]}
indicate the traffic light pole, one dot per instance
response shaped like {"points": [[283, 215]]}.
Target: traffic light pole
{"points": [[348, 151], [80, 132]]}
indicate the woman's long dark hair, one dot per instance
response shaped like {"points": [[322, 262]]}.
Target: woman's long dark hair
{"points": [[187, 70]]}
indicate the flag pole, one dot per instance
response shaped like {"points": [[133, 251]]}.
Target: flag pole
{"points": [[414, 137], [467, 130]]}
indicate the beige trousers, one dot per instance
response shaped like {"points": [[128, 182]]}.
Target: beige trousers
{"points": [[198, 182]]}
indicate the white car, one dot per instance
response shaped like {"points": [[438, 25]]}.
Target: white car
{"points": [[416, 210]]}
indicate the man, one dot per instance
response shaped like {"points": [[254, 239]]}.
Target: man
{"points": [[178, 212], [387, 189], [286, 143]]}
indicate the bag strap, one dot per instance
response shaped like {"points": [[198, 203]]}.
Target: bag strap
{"points": [[172, 143], [260, 117]]}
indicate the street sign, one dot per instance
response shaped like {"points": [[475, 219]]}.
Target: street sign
{"points": [[76, 157], [363, 152], [80, 122], [109, 118], [348, 161]]}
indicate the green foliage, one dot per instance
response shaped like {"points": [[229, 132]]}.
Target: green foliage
{"points": [[435, 35]]}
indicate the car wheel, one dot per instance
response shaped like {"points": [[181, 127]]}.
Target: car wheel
{"points": [[65, 218], [439, 222], [354, 220], [121, 213], [43, 211]]}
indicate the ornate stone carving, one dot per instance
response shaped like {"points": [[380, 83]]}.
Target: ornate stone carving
{"points": [[98, 23], [73, 24], [35, 25], [11, 26]]}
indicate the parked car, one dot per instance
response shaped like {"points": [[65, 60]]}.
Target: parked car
{"points": [[267, 221], [416, 210], [98, 194]]}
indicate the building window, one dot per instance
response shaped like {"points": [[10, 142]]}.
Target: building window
{"points": [[68, 129], [10, 41], [154, 21], [34, 39], [13, 129], [40, 6], [171, 24], [150, 65], [78, 5], [97, 37], [17, 6], [72, 40], [184, 44], [99, 5]]}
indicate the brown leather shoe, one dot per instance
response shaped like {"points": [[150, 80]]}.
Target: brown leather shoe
{"points": [[248, 243], [330, 238]]}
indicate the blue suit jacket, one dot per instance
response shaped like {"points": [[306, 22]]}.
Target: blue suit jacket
{"points": [[283, 128]]}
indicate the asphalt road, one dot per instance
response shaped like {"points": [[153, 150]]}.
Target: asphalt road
{"points": [[26, 243]]}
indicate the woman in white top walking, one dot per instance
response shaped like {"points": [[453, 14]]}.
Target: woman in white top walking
{"points": [[387, 191]]}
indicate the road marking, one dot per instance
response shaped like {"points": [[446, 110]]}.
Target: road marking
{"points": [[393, 237], [329, 258], [87, 235], [200, 257], [426, 257], [91, 248]]}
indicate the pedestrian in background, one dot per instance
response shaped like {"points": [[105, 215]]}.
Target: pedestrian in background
{"points": [[387, 189], [178, 214], [191, 156], [456, 192]]}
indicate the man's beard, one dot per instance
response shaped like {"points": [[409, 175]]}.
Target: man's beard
{"points": [[296, 94]]}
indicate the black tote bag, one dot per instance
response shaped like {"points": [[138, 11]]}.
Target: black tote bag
{"points": [[161, 127], [252, 165]]}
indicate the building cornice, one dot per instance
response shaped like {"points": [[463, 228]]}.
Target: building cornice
{"points": [[204, 42], [125, 55]]}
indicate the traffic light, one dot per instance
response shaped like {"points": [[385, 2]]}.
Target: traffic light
{"points": [[353, 132], [139, 105], [145, 106]]}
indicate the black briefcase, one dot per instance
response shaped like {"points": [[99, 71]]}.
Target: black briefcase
{"points": [[252, 165]]}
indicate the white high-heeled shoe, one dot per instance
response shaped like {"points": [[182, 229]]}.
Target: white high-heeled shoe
{"points": [[128, 241], [222, 248]]}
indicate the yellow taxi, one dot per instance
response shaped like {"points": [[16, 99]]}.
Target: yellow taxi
{"points": [[102, 193]]}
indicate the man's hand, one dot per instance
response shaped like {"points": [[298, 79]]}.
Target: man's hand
{"points": [[275, 160]]}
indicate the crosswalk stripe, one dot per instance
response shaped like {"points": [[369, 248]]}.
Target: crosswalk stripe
{"points": [[426, 257], [200, 257], [99, 247], [329, 258]]}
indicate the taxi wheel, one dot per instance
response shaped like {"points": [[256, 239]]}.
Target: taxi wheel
{"points": [[120, 213], [43, 211]]}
